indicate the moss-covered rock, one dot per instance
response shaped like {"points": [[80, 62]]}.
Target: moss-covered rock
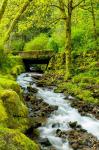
{"points": [[6, 76], [14, 106], [3, 114], [16, 70], [14, 113], [16, 110], [9, 84], [19, 123], [14, 140]]}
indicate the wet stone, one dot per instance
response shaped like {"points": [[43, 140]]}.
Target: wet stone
{"points": [[85, 109], [45, 142], [55, 125], [78, 138], [73, 124], [36, 77], [32, 89]]}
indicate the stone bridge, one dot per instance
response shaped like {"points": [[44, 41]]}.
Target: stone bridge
{"points": [[36, 57]]}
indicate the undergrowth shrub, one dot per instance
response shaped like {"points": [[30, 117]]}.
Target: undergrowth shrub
{"points": [[38, 43], [17, 45], [53, 45]]}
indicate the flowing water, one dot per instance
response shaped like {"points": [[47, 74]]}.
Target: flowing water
{"points": [[61, 117]]}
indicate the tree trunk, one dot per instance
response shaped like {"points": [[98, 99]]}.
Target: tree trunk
{"points": [[68, 41], [17, 17], [2, 9], [94, 21]]}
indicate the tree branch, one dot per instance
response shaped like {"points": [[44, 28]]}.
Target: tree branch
{"points": [[66, 6], [2, 9], [88, 9], [57, 7], [56, 20], [15, 20], [78, 4]]}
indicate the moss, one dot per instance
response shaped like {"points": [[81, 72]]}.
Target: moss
{"points": [[19, 123], [13, 64], [14, 140], [57, 62], [14, 113], [16, 70], [15, 60], [6, 76], [13, 104], [36, 132], [77, 91], [58, 90], [84, 78], [84, 81], [3, 114], [9, 84], [16, 110]]}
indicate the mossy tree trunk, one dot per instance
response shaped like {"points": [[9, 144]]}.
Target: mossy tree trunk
{"points": [[2, 9], [66, 8], [94, 20], [66, 12], [68, 40], [17, 17]]}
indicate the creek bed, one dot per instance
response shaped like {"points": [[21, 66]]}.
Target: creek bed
{"points": [[63, 120]]}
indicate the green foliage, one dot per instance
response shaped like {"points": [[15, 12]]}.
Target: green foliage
{"points": [[83, 84], [13, 65], [14, 140], [78, 38], [79, 92], [17, 45], [83, 78], [58, 37], [82, 31], [2, 56], [17, 70], [57, 62], [53, 45], [38, 43]]}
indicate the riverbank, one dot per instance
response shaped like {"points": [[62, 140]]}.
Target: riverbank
{"points": [[58, 126], [84, 82], [14, 120]]}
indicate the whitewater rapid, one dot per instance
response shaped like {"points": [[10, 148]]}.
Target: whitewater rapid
{"points": [[61, 117]]}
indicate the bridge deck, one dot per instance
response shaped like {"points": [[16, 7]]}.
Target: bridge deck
{"points": [[37, 54]]}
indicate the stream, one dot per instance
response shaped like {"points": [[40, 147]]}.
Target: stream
{"points": [[61, 117]]}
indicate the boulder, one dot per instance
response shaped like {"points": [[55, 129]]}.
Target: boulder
{"points": [[15, 109], [14, 140]]}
